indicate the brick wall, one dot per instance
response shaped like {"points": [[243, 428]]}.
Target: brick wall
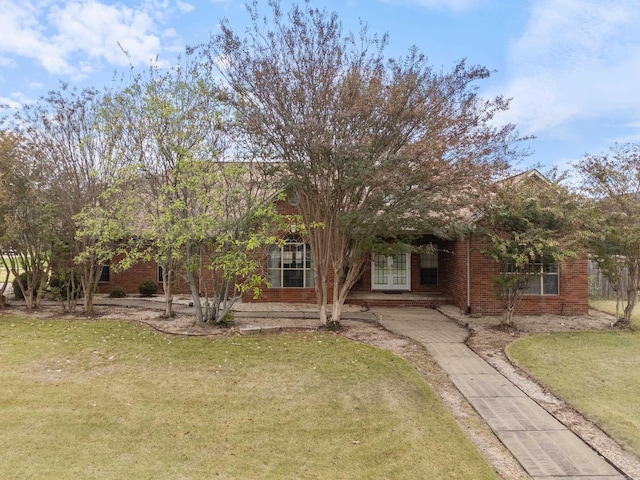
{"points": [[129, 280], [573, 298], [453, 262]]}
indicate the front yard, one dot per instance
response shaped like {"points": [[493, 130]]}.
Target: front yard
{"points": [[111, 399], [596, 372]]}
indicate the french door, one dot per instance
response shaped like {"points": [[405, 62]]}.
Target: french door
{"points": [[391, 272]]}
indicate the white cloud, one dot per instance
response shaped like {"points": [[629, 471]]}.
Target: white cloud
{"points": [[577, 59], [184, 7], [15, 101], [454, 5], [74, 37]]}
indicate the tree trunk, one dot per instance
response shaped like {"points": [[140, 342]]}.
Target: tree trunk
{"points": [[195, 297], [507, 316], [89, 282], [632, 296], [168, 293], [88, 303], [341, 291]]}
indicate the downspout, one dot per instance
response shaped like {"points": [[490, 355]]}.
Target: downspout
{"points": [[469, 274]]}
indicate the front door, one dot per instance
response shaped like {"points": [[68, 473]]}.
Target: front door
{"points": [[391, 272]]}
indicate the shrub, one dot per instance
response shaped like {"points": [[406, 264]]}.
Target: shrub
{"points": [[22, 279], [60, 283], [148, 288], [117, 293]]}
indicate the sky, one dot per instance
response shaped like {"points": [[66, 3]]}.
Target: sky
{"points": [[570, 67]]}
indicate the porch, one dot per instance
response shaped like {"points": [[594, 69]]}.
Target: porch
{"points": [[396, 298]]}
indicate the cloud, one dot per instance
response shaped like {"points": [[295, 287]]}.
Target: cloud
{"points": [[15, 101], [184, 7], [75, 37], [454, 5], [576, 60]]}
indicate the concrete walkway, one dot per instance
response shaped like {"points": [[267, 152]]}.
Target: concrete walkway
{"points": [[543, 446]]}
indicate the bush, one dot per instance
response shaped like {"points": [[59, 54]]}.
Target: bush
{"points": [[148, 288], [22, 279], [60, 283], [117, 293], [16, 286]]}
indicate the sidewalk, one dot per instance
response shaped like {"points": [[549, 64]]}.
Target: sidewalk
{"points": [[544, 447]]}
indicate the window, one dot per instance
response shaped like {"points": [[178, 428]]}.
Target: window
{"points": [[290, 265], [429, 267], [546, 281], [105, 275]]}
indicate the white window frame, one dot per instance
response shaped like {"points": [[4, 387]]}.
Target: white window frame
{"points": [[545, 270], [282, 253]]}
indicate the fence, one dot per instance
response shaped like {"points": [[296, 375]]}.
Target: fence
{"points": [[599, 286]]}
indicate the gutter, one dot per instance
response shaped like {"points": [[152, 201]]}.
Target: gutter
{"points": [[469, 274]]}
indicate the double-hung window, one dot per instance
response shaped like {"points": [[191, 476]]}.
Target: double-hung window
{"points": [[547, 282], [545, 277], [429, 267], [290, 265]]}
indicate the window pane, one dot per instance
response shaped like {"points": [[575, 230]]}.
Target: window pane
{"points": [[105, 274], [534, 287], [292, 278], [308, 257], [293, 256], [429, 276], [550, 284], [309, 282], [274, 278], [429, 260], [274, 258], [399, 269]]}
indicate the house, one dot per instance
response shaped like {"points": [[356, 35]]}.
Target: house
{"points": [[439, 271]]}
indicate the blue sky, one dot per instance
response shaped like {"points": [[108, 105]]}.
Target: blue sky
{"points": [[572, 67]]}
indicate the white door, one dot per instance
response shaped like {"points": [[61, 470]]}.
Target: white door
{"points": [[391, 272]]}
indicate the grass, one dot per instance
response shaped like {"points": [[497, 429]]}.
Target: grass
{"points": [[596, 372], [609, 306], [109, 399], [3, 274]]}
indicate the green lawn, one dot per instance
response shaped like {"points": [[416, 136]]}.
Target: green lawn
{"points": [[3, 274], [596, 372], [108, 399], [610, 306]]}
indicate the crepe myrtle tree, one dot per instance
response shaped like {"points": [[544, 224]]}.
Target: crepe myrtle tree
{"points": [[226, 238], [70, 147], [8, 152], [28, 233], [611, 180], [529, 222], [372, 147], [220, 233], [165, 123]]}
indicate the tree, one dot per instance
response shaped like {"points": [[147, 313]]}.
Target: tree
{"points": [[28, 233], [8, 146], [612, 182], [372, 149], [531, 224], [165, 123], [198, 206], [67, 141], [236, 221]]}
